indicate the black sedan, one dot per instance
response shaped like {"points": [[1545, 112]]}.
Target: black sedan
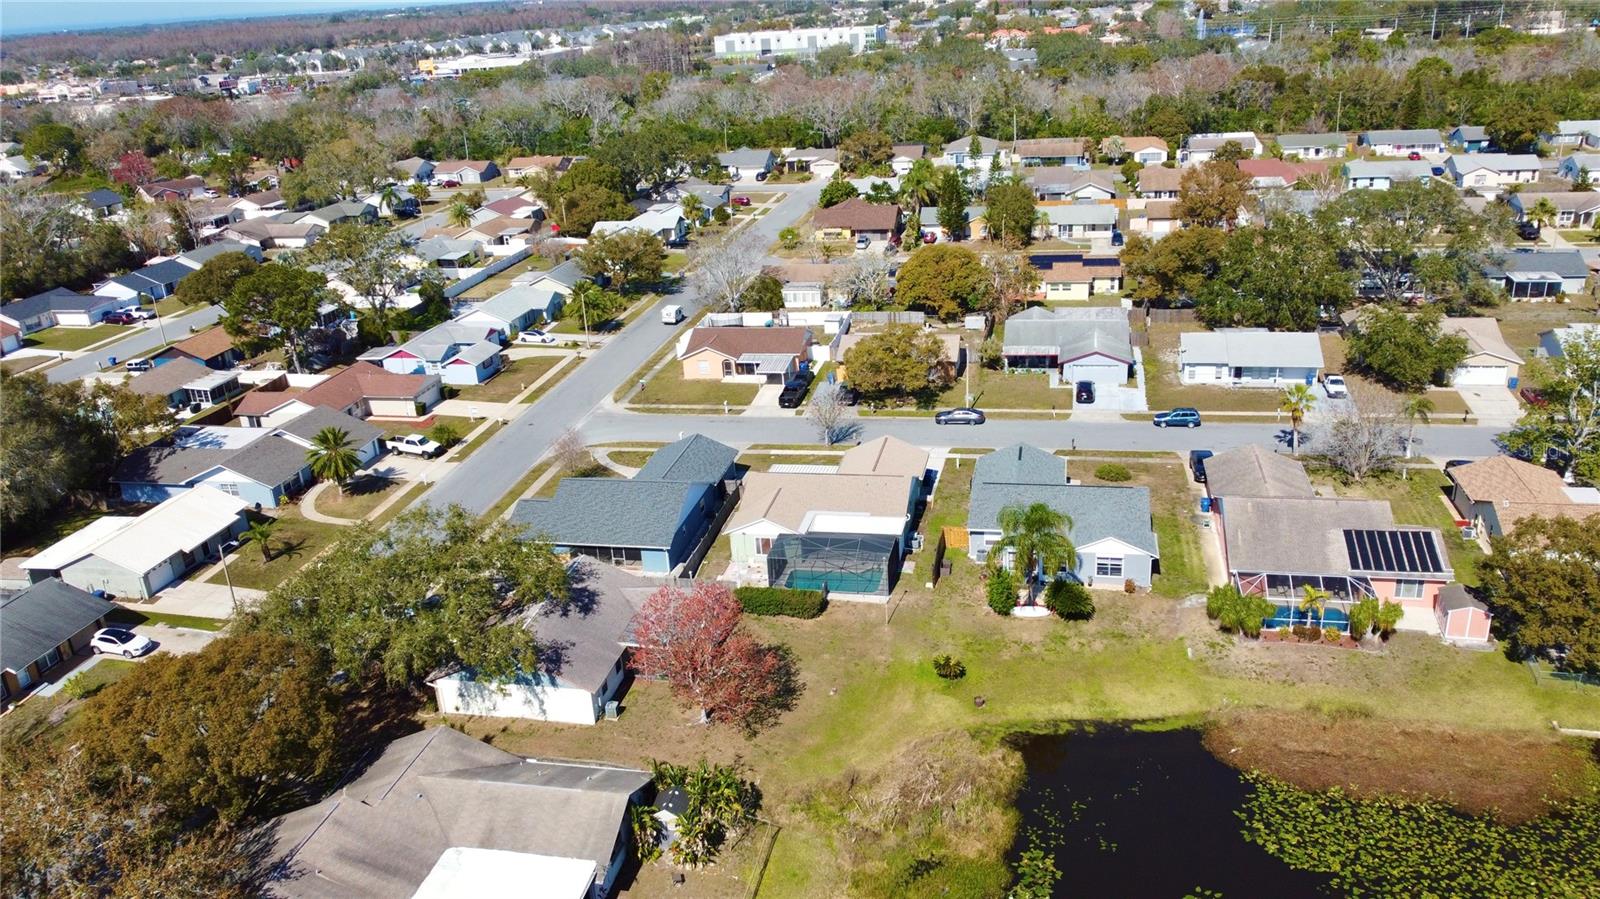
{"points": [[962, 416]]}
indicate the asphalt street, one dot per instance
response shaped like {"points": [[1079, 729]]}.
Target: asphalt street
{"points": [[479, 481], [146, 337]]}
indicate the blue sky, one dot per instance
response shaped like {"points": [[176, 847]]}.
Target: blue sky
{"points": [[18, 17]]}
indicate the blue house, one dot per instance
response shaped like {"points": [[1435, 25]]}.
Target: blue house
{"points": [[1111, 526], [1470, 138], [155, 281], [653, 522]]}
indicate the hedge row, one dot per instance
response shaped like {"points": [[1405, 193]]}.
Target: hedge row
{"points": [[781, 601]]}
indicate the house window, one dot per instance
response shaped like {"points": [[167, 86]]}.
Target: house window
{"points": [[763, 545], [727, 367], [228, 487], [1108, 566], [1408, 589], [50, 659]]}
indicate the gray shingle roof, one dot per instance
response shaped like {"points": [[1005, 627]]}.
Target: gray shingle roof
{"points": [[42, 617], [55, 298], [1097, 512], [1566, 263], [1404, 136], [580, 641], [100, 198], [165, 379], [1255, 471], [306, 426], [1019, 463], [608, 512], [695, 459], [1069, 333], [1296, 535], [1294, 141], [168, 464], [269, 461], [744, 158]]}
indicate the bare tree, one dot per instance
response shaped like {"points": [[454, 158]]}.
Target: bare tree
{"points": [[827, 412], [569, 452], [865, 280], [723, 265], [1363, 439]]}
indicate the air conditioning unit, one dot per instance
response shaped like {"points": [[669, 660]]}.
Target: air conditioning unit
{"points": [[1469, 532], [916, 542]]}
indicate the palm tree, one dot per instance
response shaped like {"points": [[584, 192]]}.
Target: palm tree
{"points": [[1543, 212], [693, 208], [260, 533], [389, 198], [1416, 409], [919, 186], [332, 456], [459, 214], [1037, 534], [1297, 400], [1313, 598]]}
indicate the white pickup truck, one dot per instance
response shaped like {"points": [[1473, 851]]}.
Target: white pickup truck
{"points": [[416, 445]]}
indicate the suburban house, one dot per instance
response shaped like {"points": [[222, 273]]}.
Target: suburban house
{"points": [[441, 814], [1077, 221], [514, 309], [1111, 526], [710, 195], [339, 213], [1158, 218], [810, 285], [1403, 142], [889, 456], [199, 256], [958, 154], [260, 465], [560, 279], [1489, 172], [1155, 182], [1145, 150], [1091, 344], [458, 352], [448, 254], [415, 169], [46, 623], [466, 171], [1198, 148], [904, 156], [1279, 536], [856, 217], [1490, 361], [192, 187], [1051, 151], [822, 164], [1575, 133], [760, 355], [185, 382], [10, 338], [1493, 494], [1382, 174], [857, 528], [1470, 138], [976, 226], [274, 233], [1313, 146], [654, 522], [1276, 174], [60, 306], [1249, 357], [1539, 274], [102, 203], [518, 166], [1577, 164], [16, 167], [1059, 182], [1553, 343], [521, 206], [260, 204], [593, 630], [212, 348], [137, 556], [664, 220], [156, 281], [799, 42], [1574, 208], [746, 164], [362, 390], [1079, 280]]}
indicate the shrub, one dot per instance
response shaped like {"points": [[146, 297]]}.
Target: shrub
{"points": [[1002, 592], [1363, 617], [78, 686], [1069, 599], [1389, 615], [781, 601], [1284, 632], [1331, 635], [444, 435], [1128, 586], [1237, 612], [1307, 633], [948, 668], [720, 215], [1113, 471], [991, 353]]}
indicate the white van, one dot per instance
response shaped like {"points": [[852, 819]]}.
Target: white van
{"points": [[671, 315]]}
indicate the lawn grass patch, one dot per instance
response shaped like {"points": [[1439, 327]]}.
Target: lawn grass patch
{"points": [[30, 721], [514, 377], [295, 542], [669, 387], [460, 423], [16, 365], [360, 497], [515, 491], [69, 339], [765, 461], [630, 458], [134, 617], [1163, 389], [551, 381], [492, 285]]}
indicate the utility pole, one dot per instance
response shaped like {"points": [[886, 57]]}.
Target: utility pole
{"points": [[1433, 29], [1501, 22], [1466, 30]]}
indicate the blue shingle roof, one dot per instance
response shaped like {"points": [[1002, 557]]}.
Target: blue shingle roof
{"points": [[696, 459], [609, 512]]}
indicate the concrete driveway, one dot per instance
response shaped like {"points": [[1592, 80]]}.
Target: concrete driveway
{"points": [[766, 402], [1492, 405], [177, 640], [198, 598]]}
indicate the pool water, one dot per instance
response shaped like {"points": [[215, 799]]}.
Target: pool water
{"points": [[1289, 616]]}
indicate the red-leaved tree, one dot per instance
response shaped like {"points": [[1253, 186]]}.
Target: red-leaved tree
{"points": [[694, 640], [133, 168]]}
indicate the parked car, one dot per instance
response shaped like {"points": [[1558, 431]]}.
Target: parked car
{"points": [[793, 394], [120, 317], [1117, 239], [1197, 464], [930, 237], [962, 416], [741, 201], [534, 335], [863, 241], [849, 395], [1334, 386], [1532, 396], [119, 641], [1185, 417], [1528, 230], [1413, 156], [761, 176], [1085, 392], [450, 183], [414, 445], [1456, 463], [138, 365], [671, 314]]}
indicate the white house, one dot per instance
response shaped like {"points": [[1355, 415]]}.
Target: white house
{"points": [[466, 171], [1313, 146], [1363, 174], [1490, 361], [796, 41], [514, 309], [1489, 172], [746, 164], [823, 164], [810, 285], [1574, 208], [1404, 142], [1249, 357], [1575, 133], [1144, 150], [773, 504], [561, 279], [958, 154], [1083, 344], [664, 220], [904, 156], [1078, 221], [459, 353], [1200, 148]]}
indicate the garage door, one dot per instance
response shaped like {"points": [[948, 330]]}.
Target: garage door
{"points": [[1101, 374], [1481, 376]]}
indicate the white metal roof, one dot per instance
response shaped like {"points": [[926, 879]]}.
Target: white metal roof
{"points": [[1251, 348], [177, 525], [79, 543]]}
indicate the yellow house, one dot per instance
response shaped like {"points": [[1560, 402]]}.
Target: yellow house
{"points": [[750, 355], [1082, 279]]}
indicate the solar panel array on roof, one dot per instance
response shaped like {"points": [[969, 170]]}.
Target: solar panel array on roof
{"points": [[1396, 551]]}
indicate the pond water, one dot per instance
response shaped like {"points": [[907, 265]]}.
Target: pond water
{"points": [[1144, 814]]}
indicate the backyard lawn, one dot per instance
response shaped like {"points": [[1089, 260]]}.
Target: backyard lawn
{"points": [[512, 380], [294, 543], [493, 285], [668, 388], [68, 339]]}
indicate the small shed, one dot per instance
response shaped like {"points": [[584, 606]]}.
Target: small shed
{"points": [[1463, 618]]}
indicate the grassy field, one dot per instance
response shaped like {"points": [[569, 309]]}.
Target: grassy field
{"points": [[1006, 390], [295, 542], [69, 339], [668, 388], [1164, 391], [885, 776], [512, 380]]}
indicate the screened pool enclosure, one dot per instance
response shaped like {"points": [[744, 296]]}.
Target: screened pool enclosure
{"points": [[835, 563]]}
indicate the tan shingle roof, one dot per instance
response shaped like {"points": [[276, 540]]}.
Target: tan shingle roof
{"points": [[786, 499], [1483, 336], [1502, 479], [858, 215], [1155, 177], [208, 343], [885, 456]]}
